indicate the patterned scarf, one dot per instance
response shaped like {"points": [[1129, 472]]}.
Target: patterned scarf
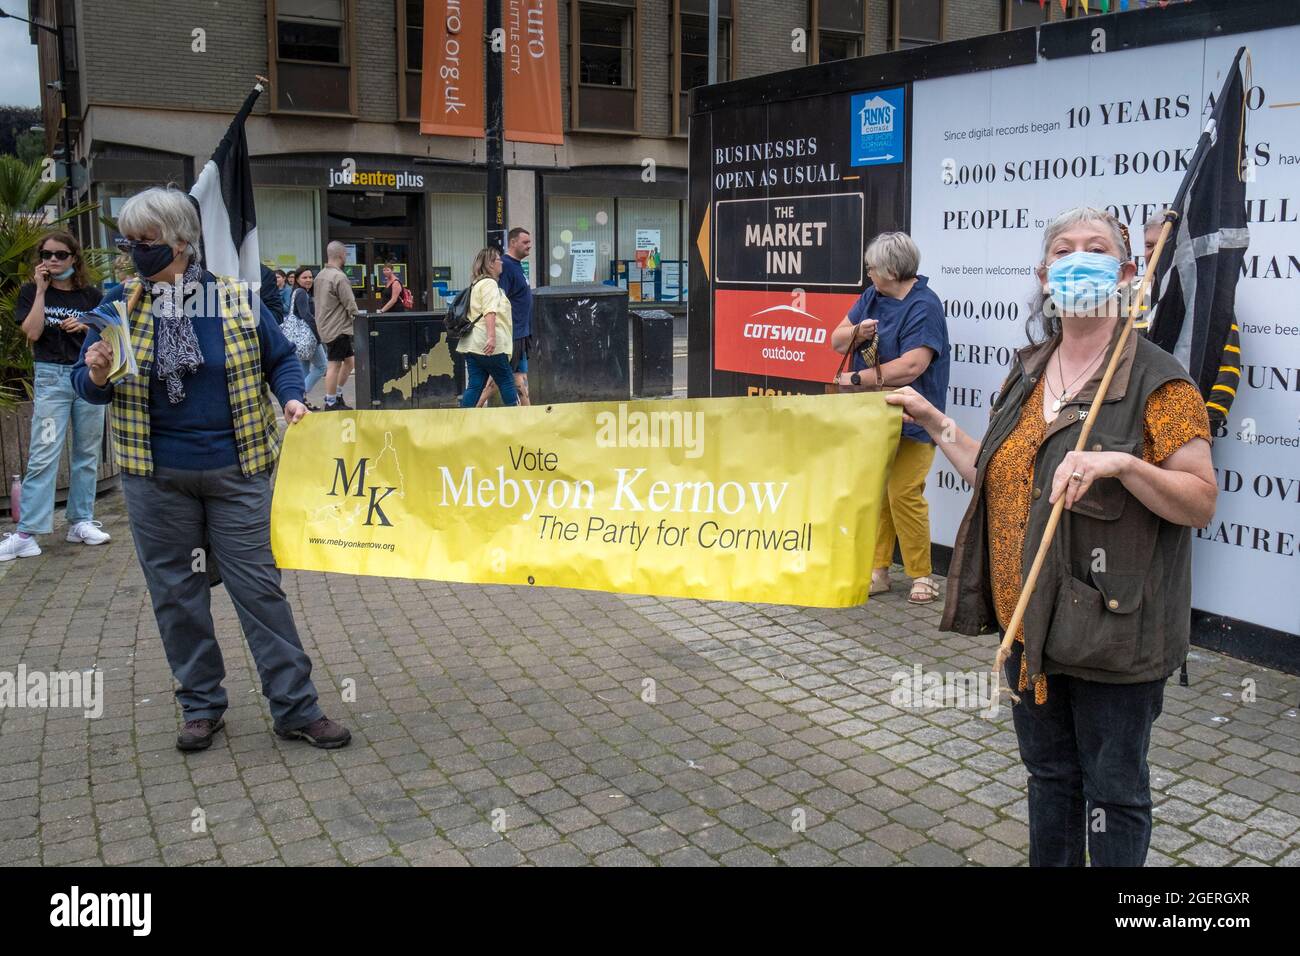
{"points": [[176, 347]]}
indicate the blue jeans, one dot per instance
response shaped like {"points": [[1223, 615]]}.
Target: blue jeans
{"points": [[1086, 752], [478, 368], [313, 370], [54, 407]]}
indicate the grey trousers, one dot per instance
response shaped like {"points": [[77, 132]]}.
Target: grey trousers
{"points": [[177, 515]]}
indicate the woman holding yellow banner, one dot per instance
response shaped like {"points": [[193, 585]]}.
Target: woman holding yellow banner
{"points": [[196, 438], [1109, 620]]}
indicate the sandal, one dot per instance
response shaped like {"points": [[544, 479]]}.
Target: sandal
{"points": [[923, 590], [879, 582]]}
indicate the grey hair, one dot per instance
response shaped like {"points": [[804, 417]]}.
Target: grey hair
{"points": [[336, 250], [1155, 222], [893, 254], [1045, 323], [166, 210]]}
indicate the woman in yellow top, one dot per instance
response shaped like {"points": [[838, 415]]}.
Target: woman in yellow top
{"points": [[487, 346]]}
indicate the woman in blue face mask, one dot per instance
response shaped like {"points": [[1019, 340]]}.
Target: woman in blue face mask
{"points": [[49, 311], [1109, 620]]}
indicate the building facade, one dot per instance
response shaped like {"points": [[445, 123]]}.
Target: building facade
{"points": [[152, 85]]}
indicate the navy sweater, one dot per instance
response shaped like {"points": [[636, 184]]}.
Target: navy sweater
{"points": [[198, 434]]}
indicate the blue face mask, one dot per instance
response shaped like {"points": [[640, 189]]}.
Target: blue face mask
{"points": [[66, 273], [1083, 281]]}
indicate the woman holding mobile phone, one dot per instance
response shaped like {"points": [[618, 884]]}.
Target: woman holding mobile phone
{"points": [[49, 310]]}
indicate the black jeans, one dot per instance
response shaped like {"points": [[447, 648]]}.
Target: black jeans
{"points": [[1086, 752]]}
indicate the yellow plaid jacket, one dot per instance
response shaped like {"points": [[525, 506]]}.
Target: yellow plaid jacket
{"points": [[257, 436]]}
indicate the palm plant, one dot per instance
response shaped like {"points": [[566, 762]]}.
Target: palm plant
{"points": [[25, 195]]}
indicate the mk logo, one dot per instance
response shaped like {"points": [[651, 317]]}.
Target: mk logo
{"points": [[358, 476]]}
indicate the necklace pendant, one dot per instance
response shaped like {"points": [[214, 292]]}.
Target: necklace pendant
{"points": [[1056, 405]]}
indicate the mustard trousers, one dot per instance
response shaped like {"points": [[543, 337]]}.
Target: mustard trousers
{"points": [[904, 514]]}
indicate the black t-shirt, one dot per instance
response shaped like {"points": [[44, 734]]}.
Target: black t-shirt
{"points": [[55, 345]]}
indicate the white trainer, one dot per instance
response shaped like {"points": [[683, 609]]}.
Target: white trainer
{"points": [[87, 532], [16, 546]]}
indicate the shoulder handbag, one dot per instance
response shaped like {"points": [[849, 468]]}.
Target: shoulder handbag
{"points": [[870, 355], [298, 332]]}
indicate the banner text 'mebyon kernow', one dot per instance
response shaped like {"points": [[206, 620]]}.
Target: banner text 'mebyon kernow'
{"points": [[631, 490]]}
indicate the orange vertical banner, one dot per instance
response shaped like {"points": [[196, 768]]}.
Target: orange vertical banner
{"points": [[532, 71], [451, 89]]}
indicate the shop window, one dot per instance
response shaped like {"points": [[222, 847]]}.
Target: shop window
{"points": [[410, 31], [597, 240], [692, 70], [916, 22], [288, 226], [458, 230], [311, 56], [604, 94], [838, 26]]}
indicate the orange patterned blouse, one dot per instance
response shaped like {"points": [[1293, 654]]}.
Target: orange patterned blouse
{"points": [[1175, 415]]}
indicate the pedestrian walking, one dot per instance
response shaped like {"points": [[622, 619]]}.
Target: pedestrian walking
{"points": [[336, 311]]}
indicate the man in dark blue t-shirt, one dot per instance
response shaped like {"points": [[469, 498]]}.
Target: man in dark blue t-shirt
{"points": [[513, 282], [909, 320]]}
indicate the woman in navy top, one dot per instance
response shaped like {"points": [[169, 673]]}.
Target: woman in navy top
{"points": [[899, 307]]}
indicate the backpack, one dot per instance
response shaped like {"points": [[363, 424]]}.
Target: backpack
{"points": [[408, 300], [458, 323]]}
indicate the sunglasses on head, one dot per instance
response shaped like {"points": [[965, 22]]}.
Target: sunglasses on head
{"points": [[61, 254]]}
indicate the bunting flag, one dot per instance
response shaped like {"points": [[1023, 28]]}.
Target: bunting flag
{"points": [[223, 194], [1196, 280]]}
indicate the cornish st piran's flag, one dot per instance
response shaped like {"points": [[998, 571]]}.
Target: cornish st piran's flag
{"points": [[224, 195], [1195, 314]]}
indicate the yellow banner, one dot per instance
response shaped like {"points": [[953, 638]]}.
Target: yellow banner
{"points": [[771, 500]]}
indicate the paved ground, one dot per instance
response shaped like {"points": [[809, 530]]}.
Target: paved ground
{"points": [[770, 739]]}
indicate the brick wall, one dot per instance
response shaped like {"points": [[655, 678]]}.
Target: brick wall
{"points": [[376, 45], [877, 27], [763, 35], [656, 67], [161, 34], [970, 18], [140, 53]]}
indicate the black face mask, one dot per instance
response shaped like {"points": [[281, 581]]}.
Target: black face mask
{"points": [[151, 260]]}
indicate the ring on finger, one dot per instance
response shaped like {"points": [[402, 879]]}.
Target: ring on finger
{"points": [[1076, 476]]}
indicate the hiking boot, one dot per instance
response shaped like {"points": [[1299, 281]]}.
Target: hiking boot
{"points": [[322, 732], [198, 734]]}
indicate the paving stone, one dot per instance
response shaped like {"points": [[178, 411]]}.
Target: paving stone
{"points": [[772, 741]]}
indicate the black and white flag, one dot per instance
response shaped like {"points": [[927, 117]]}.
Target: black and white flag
{"points": [[1195, 316], [224, 196]]}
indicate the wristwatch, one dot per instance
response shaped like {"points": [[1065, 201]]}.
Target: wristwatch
{"points": [[856, 378]]}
